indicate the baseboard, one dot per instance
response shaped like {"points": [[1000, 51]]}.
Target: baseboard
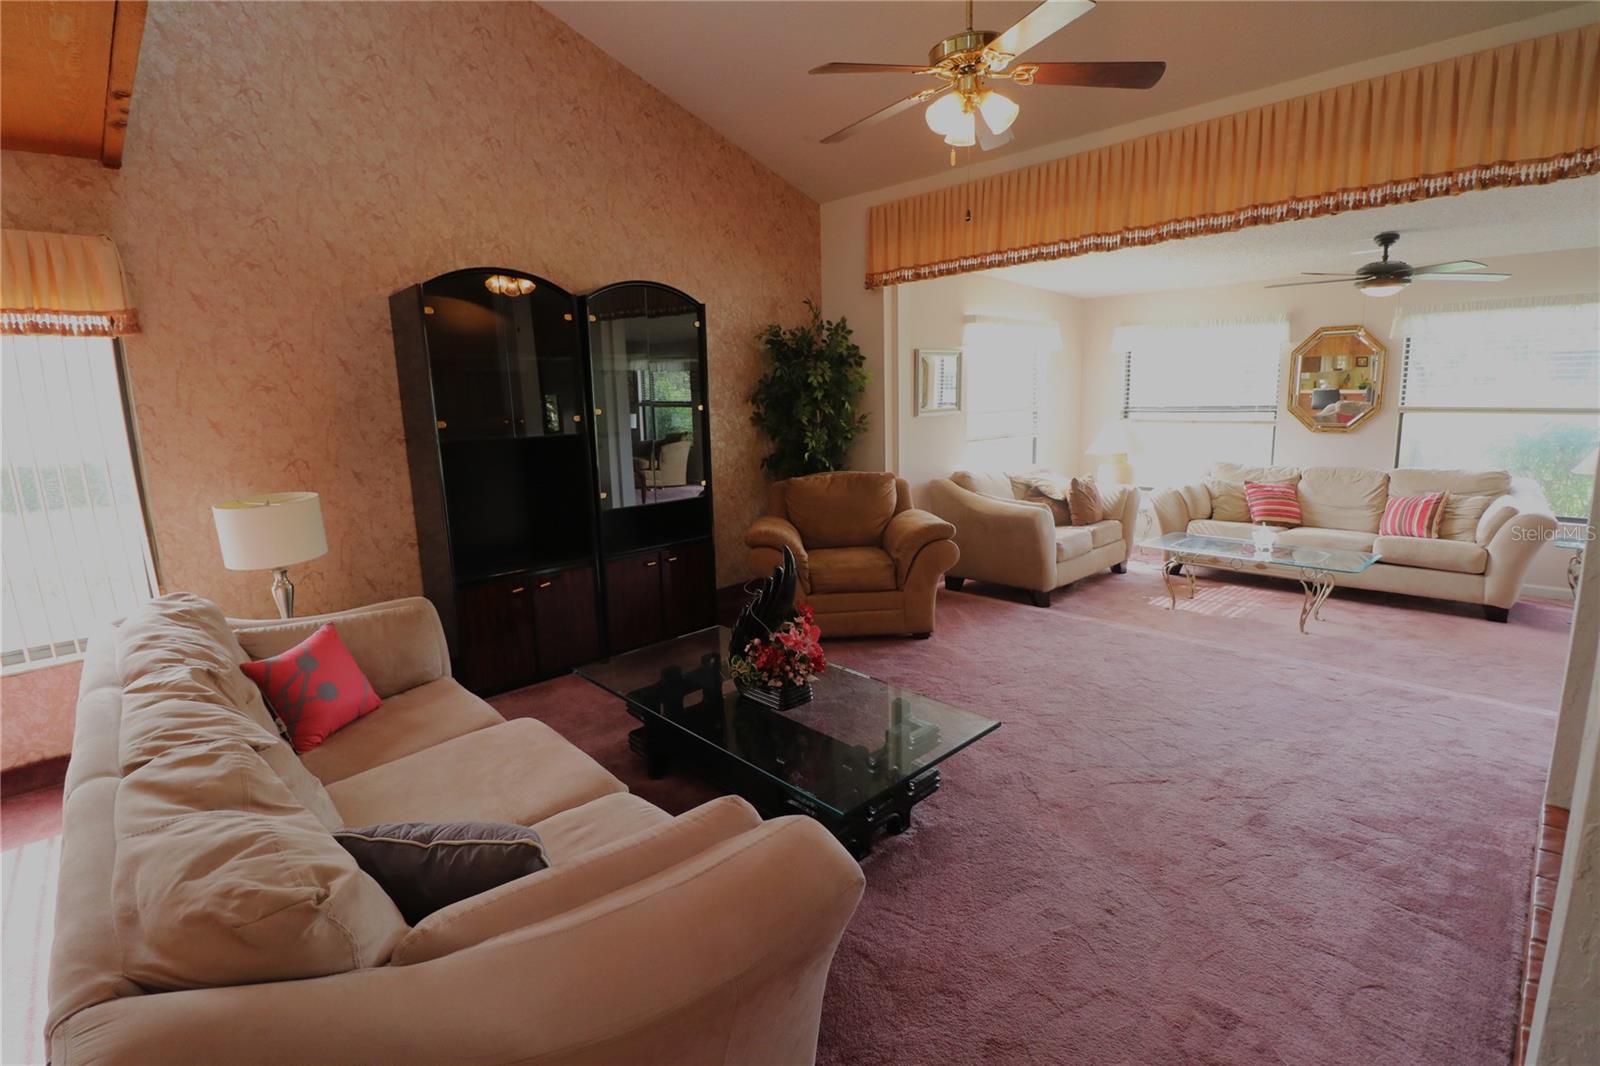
{"points": [[1549, 592], [47, 773]]}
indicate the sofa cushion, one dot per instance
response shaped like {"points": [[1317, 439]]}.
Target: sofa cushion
{"points": [[399, 644], [1452, 555], [1413, 516], [851, 570], [1315, 537], [570, 834], [1073, 541], [1238, 473], [985, 483], [1197, 500], [314, 688], [181, 645], [844, 509], [518, 771], [407, 722], [1227, 501], [1342, 497], [1041, 486], [1106, 531], [1211, 527], [426, 866], [221, 878], [1083, 496], [1470, 494], [1273, 504]]}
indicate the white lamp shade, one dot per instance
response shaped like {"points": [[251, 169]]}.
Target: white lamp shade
{"points": [[1114, 438], [270, 532]]}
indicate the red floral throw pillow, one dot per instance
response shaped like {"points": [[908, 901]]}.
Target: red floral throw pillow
{"points": [[1274, 505], [315, 688], [1412, 516]]}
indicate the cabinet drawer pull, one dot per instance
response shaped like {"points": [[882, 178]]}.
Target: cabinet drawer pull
{"points": [[652, 562], [544, 584], [672, 558], [443, 423], [519, 588]]}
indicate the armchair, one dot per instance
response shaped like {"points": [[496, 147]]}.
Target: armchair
{"points": [[869, 562]]}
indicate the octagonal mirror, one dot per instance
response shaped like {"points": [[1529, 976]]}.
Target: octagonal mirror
{"points": [[1336, 379]]}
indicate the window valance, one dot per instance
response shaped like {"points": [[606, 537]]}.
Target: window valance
{"points": [[60, 283], [1522, 114]]}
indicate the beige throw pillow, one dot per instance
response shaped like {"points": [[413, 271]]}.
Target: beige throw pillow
{"points": [[1083, 496], [1045, 488], [1227, 501]]}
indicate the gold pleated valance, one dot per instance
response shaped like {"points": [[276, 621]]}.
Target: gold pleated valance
{"points": [[1523, 114], [59, 283]]}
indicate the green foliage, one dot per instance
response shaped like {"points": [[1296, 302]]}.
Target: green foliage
{"points": [[1548, 457], [806, 404]]}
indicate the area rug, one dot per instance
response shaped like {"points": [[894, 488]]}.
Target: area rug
{"points": [[1199, 837]]}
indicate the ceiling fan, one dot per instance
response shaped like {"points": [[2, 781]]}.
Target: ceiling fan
{"points": [[1385, 277], [966, 62]]}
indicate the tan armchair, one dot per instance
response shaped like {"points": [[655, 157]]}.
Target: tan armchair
{"points": [[1015, 542], [869, 562]]}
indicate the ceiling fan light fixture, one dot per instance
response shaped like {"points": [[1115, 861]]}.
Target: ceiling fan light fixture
{"points": [[944, 114], [1382, 286], [963, 132], [998, 112]]}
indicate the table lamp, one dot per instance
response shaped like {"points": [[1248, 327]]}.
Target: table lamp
{"points": [[1113, 443], [271, 532]]}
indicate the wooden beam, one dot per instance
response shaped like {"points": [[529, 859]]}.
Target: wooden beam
{"points": [[126, 34]]}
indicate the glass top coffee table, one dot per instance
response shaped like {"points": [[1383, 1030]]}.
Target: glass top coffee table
{"points": [[1315, 567], [857, 757]]}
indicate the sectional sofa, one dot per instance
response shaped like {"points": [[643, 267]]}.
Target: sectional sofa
{"points": [[1493, 525], [206, 914]]}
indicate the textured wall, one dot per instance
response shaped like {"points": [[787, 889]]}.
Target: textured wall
{"points": [[36, 714], [290, 165]]}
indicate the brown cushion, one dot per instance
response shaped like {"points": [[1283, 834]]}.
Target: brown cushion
{"points": [[424, 866], [1084, 498], [844, 509], [1048, 489], [852, 570]]}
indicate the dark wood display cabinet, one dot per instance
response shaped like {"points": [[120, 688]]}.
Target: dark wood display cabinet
{"points": [[543, 454]]}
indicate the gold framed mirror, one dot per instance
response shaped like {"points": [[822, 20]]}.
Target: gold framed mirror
{"points": [[1336, 379]]}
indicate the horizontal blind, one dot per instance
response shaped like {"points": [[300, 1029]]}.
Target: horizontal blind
{"points": [[1002, 369], [73, 526], [1523, 355], [1203, 368]]}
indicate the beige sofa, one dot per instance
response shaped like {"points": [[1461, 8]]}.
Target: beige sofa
{"points": [[1009, 541], [197, 858], [1493, 525]]}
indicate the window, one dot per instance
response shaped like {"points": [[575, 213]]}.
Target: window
{"points": [[72, 524], [1506, 385], [666, 400], [1004, 362], [1200, 393]]}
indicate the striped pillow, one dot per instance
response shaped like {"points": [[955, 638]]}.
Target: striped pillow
{"points": [[1412, 516], [1277, 505]]}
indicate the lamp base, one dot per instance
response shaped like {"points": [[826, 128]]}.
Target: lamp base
{"points": [[283, 593], [1116, 470]]}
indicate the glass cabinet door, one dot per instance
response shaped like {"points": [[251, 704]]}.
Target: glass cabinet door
{"points": [[546, 372], [469, 332], [649, 390]]}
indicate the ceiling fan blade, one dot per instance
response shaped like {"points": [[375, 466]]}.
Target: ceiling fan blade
{"points": [[1099, 75], [1328, 274], [867, 68], [988, 141], [1460, 277], [1038, 24], [1456, 267], [886, 113], [1324, 281]]}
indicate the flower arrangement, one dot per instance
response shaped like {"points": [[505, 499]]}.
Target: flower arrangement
{"points": [[789, 656]]}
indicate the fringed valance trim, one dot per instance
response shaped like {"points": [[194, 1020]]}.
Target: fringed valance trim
{"points": [[69, 323], [1541, 172]]}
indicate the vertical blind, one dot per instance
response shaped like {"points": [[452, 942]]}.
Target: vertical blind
{"points": [[76, 552]]}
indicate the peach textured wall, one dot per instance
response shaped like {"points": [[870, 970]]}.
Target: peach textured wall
{"points": [[290, 165], [35, 714]]}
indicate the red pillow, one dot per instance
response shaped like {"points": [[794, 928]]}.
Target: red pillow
{"points": [[1276, 505], [1412, 516], [315, 688]]}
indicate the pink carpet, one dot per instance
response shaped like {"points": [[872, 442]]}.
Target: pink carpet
{"points": [[1200, 837]]}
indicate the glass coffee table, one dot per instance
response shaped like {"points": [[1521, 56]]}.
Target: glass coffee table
{"points": [[856, 758], [1316, 568]]}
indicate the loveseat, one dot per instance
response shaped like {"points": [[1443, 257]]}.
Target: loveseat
{"points": [[206, 914], [869, 561], [1492, 526], [1006, 539]]}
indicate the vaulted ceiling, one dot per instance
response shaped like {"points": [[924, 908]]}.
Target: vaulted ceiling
{"points": [[741, 67]]}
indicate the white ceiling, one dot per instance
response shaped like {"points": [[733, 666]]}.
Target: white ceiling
{"points": [[741, 67], [1475, 225]]}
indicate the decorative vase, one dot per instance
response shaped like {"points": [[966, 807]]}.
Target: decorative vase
{"points": [[1264, 537], [777, 699]]}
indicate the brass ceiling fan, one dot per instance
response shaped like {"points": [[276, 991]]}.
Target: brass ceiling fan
{"points": [[965, 110], [1386, 277]]}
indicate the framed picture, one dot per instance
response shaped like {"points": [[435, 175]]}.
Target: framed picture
{"points": [[938, 381], [1363, 360]]}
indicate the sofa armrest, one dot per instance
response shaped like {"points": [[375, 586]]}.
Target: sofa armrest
{"points": [[398, 645], [908, 533], [563, 886], [1512, 548], [1171, 507], [770, 531], [1008, 542], [1123, 505], [721, 959]]}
